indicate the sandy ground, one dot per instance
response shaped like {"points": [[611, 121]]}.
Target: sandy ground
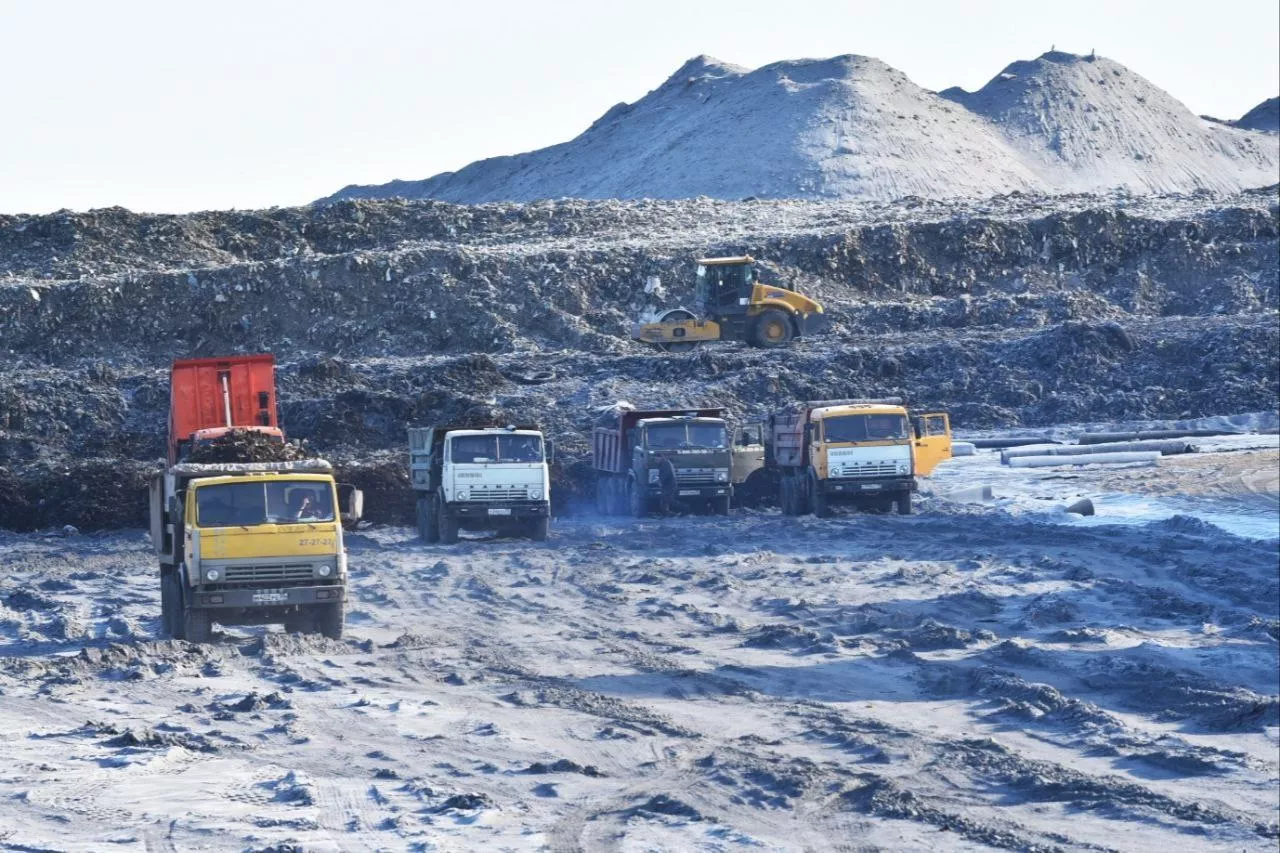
{"points": [[1224, 473], [971, 677]]}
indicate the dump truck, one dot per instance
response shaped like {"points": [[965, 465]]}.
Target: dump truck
{"points": [[862, 452], [245, 542], [487, 478], [659, 459], [735, 306]]}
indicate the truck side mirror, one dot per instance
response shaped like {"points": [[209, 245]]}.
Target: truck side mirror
{"points": [[351, 503], [175, 507], [551, 451]]}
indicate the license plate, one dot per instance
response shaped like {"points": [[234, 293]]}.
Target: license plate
{"points": [[270, 597], [686, 492], [502, 510], [871, 486]]}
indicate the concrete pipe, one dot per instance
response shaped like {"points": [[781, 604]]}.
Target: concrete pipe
{"points": [[970, 495], [1151, 457], [1151, 434], [1164, 448], [1010, 441], [963, 448], [1083, 506]]}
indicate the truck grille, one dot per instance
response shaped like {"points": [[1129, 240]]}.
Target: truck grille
{"points": [[257, 574], [866, 469], [499, 493], [695, 476]]}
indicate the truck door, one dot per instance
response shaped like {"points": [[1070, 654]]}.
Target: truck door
{"points": [[747, 452], [933, 441]]}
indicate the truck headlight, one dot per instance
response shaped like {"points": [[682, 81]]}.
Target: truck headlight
{"points": [[722, 476], [535, 494], [653, 476], [463, 494], [212, 574], [324, 570]]}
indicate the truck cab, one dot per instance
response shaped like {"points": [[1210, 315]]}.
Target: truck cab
{"points": [[491, 478], [250, 543]]}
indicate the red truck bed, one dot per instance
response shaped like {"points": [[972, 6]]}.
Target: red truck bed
{"points": [[233, 391]]}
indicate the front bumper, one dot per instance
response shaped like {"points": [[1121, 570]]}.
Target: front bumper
{"points": [[867, 486], [255, 597], [507, 509], [693, 493]]}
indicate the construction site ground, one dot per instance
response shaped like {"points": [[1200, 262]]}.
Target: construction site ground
{"points": [[990, 675]]}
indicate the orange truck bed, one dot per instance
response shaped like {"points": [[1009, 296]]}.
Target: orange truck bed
{"points": [[212, 393]]}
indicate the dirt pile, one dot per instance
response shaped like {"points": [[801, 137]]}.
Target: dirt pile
{"points": [[854, 127]]}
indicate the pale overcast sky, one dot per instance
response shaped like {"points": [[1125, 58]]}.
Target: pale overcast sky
{"points": [[176, 106]]}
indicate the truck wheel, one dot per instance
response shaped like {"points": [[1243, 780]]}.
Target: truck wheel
{"points": [[904, 502], [168, 603], [817, 499], [784, 495], [636, 500], [197, 627], [772, 328], [539, 528], [428, 530], [720, 506], [448, 527], [328, 620]]}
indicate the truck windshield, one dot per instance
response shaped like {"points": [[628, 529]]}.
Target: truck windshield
{"points": [[274, 502], [496, 448], [865, 428], [672, 436]]}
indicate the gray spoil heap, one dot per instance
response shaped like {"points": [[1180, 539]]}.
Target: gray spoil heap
{"points": [[1016, 311]]}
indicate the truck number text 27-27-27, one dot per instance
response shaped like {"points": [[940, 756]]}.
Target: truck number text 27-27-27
{"points": [[308, 543]]}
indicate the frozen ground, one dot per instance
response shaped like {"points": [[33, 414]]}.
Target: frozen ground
{"points": [[971, 677]]}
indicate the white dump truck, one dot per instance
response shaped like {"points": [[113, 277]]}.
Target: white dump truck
{"points": [[490, 478]]}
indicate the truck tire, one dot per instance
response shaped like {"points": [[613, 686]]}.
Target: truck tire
{"points": [[539, 528], [428, 528], [328, 619], [817, 499], [169, 603], [772, 328], [448, 527], [904, 502], [621, 496], [636, 500], [720, 506], [197, 627], [785, 500]]}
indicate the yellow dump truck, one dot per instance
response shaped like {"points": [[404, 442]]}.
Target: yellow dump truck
{"points": [[244, 541], [866, 452], [249, 544]]}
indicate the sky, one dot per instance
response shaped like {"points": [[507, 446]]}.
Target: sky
{"points": [[177, 106]]}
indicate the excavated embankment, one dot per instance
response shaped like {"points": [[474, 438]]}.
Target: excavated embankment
{"points": [[1015, 311]]}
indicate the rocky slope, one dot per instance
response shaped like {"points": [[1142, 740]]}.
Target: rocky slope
{"points": [[385, 314], [852, 127]]}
